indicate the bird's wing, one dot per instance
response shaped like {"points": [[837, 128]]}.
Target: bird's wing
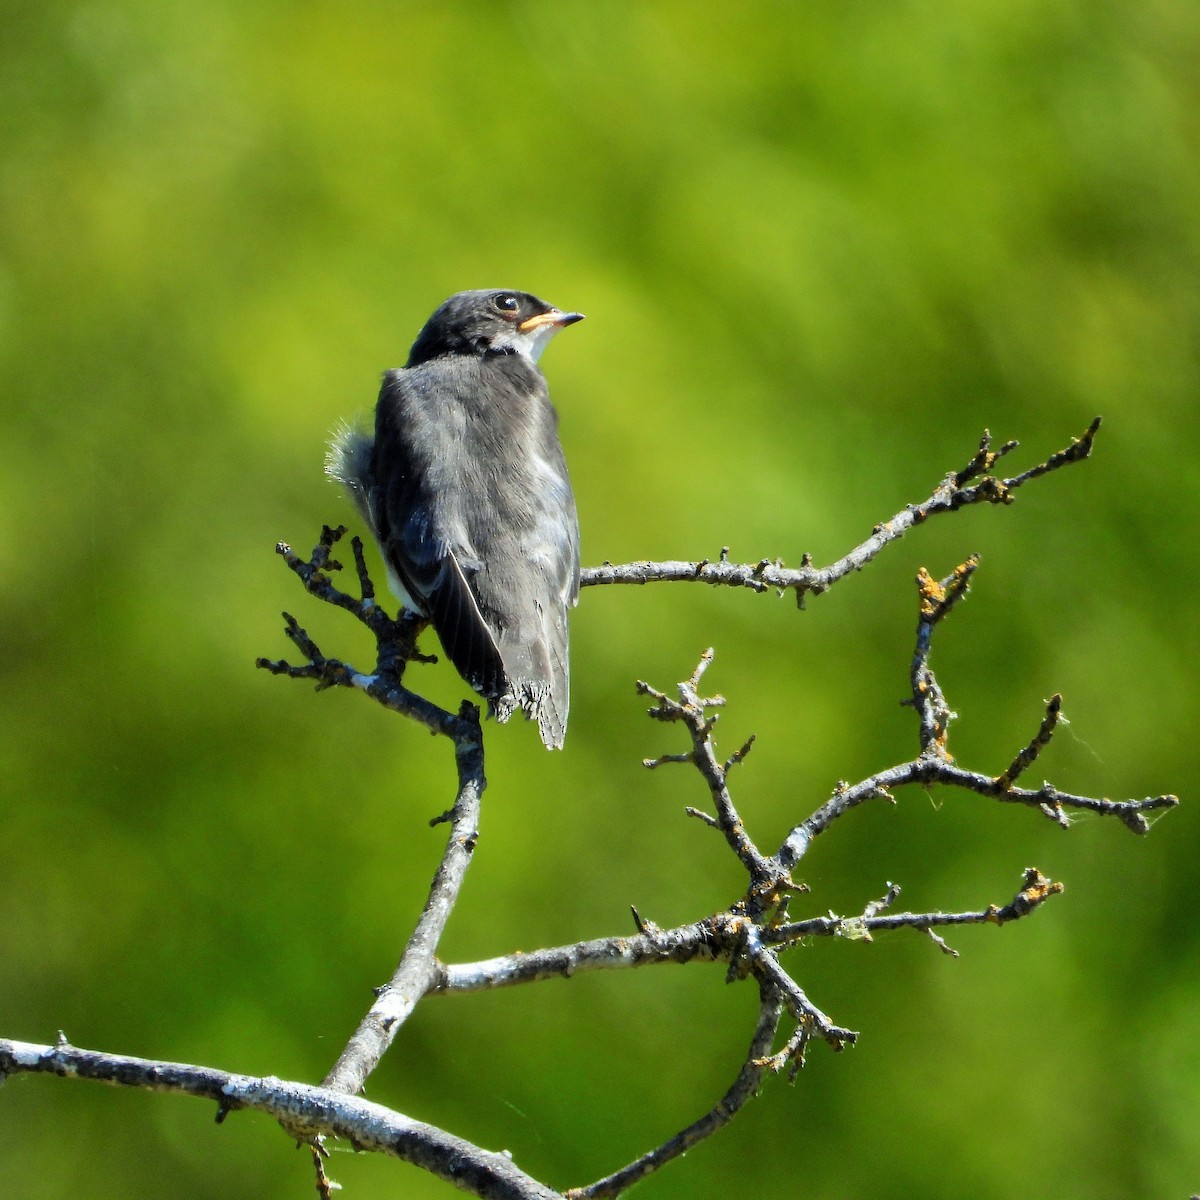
{"points": [[464, 634], [528, 538], [425, 551]]}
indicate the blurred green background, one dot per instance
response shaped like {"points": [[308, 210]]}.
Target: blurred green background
{"points": [[820, 247]]}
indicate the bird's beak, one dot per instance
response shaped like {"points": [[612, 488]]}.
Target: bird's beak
{"points": [[558, 319]]}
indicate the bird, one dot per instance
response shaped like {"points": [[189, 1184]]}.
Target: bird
{"points": [[464, 486]]}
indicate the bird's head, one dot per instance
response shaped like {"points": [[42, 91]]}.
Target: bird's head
{"points": [[494, 321]]}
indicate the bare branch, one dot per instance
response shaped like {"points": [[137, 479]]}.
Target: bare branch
{"points": [[754, 930], [934, 764], [303, 1111], [949, 496], [937, 601], [1052, 802], [808, 1016], [1079, 449], [720, 938], [703, 940], [396, 640]]}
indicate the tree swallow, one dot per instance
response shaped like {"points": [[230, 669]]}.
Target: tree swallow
{"points": [[465, 488]]}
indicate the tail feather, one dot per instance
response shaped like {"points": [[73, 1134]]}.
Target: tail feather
{"points": [[538, 682]]}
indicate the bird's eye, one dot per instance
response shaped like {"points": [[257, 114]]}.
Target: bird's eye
{"points": [[505, 302]]}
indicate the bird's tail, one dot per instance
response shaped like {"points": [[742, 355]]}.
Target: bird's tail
{"points": [[538, 683]]}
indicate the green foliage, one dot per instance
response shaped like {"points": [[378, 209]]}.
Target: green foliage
{"points": [[821, 247]]}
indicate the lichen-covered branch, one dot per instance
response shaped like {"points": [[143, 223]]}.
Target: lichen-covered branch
{"points": [[300, 1108]]}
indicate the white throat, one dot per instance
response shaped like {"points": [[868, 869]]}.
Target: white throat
{"points": [[528, 345]]}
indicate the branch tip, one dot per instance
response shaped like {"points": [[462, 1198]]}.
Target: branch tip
{"points": [[1028, 754], [941, 943], [702, 666], [1036, 891], [739, 755], [875, 907], [663, 759]]}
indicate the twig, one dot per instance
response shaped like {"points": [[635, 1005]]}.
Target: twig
{"points": [[692, 710], [1035, 891], [695, 940], [395, 640], [937, 601], [949, 496], [934, 764], [808, 1016], [395, 648], [1027, 756], [743, 1088]]}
